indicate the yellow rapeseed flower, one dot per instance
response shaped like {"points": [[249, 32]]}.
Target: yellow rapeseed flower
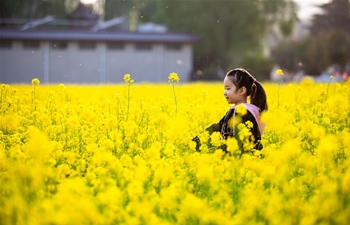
{"points": [[216, 139], [279, 72], [241, 109], [35, 82], [61, 86], [128, 79], [173, 77], [68, 146], [232, 145]]}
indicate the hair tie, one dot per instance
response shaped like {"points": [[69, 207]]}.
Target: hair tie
{"points": [[252, 89], [254, 80]]}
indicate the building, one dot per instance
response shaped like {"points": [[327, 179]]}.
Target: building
{"points": [[92, 51]]}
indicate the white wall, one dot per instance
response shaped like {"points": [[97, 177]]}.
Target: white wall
{"points": [[99, 65], [18, 65], [74, 65]]}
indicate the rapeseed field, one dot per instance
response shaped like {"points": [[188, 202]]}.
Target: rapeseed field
{"points": [[122, 154]]}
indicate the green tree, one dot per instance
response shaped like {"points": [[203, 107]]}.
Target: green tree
{"points": [[34, 9], [314, 53], [314, 56], [326, 49], [229, 30], [258, 65], [339, 47], [328, 44], [8, 8], [116, 8], [286, 55], [336, 15]]}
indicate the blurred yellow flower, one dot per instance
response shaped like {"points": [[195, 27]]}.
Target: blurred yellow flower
{"points": [[241, 109], [71, 147], [232, 145], [216, 139], [61, 86], [35, 81], [128, 79], [173, 77], [279, 72]]}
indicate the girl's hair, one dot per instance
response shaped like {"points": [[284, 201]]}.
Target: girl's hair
{"points": [[242, 78]]}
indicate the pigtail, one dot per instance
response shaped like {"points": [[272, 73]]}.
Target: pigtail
{"points": [[258, 96]]}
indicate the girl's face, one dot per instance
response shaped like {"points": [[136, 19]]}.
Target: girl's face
{"points": [[232, 94]]}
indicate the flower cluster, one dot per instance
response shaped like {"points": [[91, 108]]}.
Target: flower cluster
{"points": [[68, 159], [279, 72], [128, 79], [35, 82], [173, 77]]}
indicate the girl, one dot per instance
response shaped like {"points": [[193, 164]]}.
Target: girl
{"points": [[239, 84]]}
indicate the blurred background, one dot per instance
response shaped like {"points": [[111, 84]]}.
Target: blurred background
{"points": [[98, 41]]}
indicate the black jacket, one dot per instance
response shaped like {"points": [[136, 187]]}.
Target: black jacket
{"points": [[227, 131]]}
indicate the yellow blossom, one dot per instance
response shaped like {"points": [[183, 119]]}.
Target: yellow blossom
{"points": [[173, 77], [128, 79], [232, 145], [61, 86], [35, 82], [241, 109], [279, 72], [74, 158]]}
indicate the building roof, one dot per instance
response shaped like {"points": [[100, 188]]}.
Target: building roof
{"points": [[68, 35], [83, 25], [82, 12]]}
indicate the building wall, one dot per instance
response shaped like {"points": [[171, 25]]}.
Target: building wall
{"points": [[153, 65], [140, 64], [19, 65], [74, 65], [99, 64], [179, 62]]}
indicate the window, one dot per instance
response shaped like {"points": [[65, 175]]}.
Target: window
{"points": [[59, 45], [143, 47], [173, 47], [87, 45], [115, 46], [5, 44], [31, 44]]}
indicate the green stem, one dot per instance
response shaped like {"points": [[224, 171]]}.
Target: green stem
{"points": [[1, 96], [175, 100], [278, 92], [33, 98], [328, 88], [127, 113]]}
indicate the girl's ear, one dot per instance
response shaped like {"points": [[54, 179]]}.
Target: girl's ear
{"points": [[242, 90]]}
